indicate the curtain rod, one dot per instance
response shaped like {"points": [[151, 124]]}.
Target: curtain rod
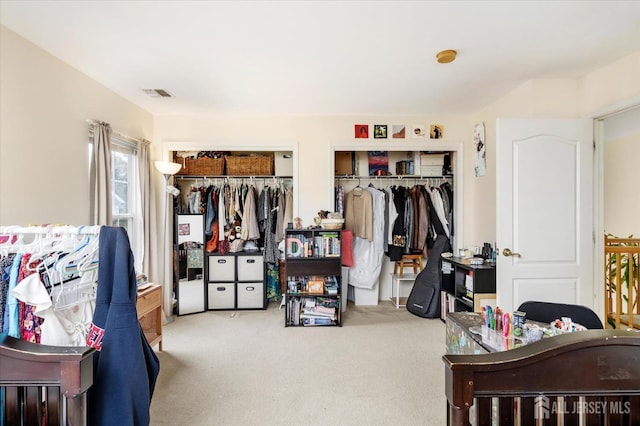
{"points": [[118, 134], [51, 230]]}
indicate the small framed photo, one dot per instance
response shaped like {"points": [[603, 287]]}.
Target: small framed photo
{"points": [[184, 229], [362, 131], [436, 131], [398, 131], [379, 131], [418, 131]]}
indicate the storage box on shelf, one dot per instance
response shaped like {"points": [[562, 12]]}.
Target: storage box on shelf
{"points": [[249, 165], [202, 166], [313, 277]]}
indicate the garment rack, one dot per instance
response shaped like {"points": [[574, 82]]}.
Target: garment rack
{"points": [[51, 230]]}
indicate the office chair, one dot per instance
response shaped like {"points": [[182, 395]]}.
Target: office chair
{"points": [[547, 312]]}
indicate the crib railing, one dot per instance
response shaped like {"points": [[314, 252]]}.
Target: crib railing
{"points": [[621, 272], [44, 385], [588, 377]]}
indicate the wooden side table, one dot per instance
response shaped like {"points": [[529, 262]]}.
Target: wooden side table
{"points": [[149, 307]]}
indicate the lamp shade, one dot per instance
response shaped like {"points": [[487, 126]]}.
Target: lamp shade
{"points": [[168, 168]]}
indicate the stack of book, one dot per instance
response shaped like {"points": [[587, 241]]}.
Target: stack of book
{"points": [[314, 313]]}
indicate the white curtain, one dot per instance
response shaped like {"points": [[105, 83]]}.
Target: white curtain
{"points": [[100, 175], [147, 218]]}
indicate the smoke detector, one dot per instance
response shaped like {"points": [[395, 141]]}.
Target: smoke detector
{"points": [[157, 93]]}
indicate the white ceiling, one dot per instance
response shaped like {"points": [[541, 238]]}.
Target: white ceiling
{"points": [[326, 57]]}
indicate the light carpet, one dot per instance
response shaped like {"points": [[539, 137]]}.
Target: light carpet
{"points": [[382, 367]]}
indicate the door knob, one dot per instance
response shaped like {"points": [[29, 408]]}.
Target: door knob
{"points": [[507, 252]]}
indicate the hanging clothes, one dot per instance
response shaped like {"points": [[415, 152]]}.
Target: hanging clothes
{"points": [[358, 207], [368, 254], [125, 368]]}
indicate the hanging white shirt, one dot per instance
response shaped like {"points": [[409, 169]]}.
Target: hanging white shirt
{"points": [[60, 327]]}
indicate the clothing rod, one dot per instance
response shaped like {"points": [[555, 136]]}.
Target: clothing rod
{"points": [[398, 177], [51, 230]]}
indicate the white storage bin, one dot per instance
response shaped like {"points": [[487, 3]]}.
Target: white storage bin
{"points": [[365, 296], [222, 268], [251, 295], [283, 163], [250, 268], [221, 296]]}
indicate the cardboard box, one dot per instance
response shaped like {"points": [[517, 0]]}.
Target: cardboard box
{"points": [[344, 163]]}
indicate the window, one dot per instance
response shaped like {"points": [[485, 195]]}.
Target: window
{"points": [[124, 187], [125, 190]]}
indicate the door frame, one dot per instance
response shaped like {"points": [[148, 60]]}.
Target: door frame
{"points": [[599, 118]]}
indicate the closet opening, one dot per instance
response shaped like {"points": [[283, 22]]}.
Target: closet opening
{"points": [[399, 166]]}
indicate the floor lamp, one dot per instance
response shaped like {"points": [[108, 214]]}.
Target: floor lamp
{"points": [[167, 169]]}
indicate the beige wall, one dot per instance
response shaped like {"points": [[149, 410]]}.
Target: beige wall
{"points": [[312, 138], [601, 90], [622, 174], [44, 106], [43, 135]]}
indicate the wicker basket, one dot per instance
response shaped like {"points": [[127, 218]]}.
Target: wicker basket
{"points": [[201, 166], [249, 165]]}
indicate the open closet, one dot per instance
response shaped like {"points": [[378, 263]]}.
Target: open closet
{"points": [[398, 174], [241, 202]]}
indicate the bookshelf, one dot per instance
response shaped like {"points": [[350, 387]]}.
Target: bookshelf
{"points": [[313, 271]]}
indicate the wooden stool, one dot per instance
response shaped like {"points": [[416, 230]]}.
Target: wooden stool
{"points": [[408, 260]]}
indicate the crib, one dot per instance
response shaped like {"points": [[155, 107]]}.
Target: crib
{"points": [[590, 377], [44, 385]]}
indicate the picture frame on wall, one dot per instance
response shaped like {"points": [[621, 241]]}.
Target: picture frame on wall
{"points": [[418, 131], [379, 131], [398, 131], [361, 131], [436, 131]]}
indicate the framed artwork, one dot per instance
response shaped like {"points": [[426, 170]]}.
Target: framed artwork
{"points": [[436, 131], [379, 131], [378, 163], [480, 163], [418, 131], [398, 131], [362, 131]]}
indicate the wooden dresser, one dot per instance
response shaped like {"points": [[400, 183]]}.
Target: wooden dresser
{"points": [[149, 307]]}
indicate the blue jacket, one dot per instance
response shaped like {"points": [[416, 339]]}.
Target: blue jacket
{"points": [[125, 368]]}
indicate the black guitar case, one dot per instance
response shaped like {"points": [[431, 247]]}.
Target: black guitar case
{"points": [[424, 299]]}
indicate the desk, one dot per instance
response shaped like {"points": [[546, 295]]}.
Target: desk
{"points": [[396, 279], [149, 307]]}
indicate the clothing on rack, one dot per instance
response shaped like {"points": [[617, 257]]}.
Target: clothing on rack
{"points": [[414, 216], [368, 253], [47, 286], [358, 217]]}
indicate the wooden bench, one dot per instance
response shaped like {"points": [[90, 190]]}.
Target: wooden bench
{"points": [[44, 385], [590, 376]]}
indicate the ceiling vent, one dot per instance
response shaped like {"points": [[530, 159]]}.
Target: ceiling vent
{"points": [[157, 93]]}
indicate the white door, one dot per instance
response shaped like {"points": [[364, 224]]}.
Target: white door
{"points": [[544, 213]]}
